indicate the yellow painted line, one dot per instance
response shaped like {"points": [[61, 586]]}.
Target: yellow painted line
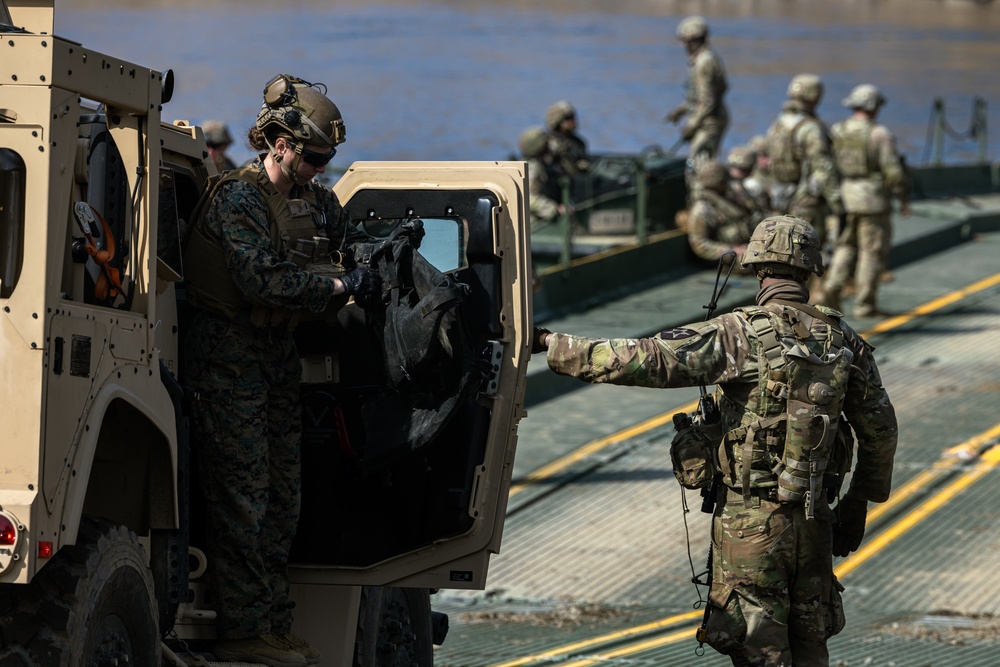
{"points": [[989, 461], [603, 639], [595, 446], [935, 304], [638, 647], [949, 459]]}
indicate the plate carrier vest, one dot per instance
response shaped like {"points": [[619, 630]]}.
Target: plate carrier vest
{"points": [[786, 432]]}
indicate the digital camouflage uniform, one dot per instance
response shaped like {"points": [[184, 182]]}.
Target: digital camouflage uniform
{"points": [[804, 178], [247, 412], [707, 115], [774, 599], [871, 174]]}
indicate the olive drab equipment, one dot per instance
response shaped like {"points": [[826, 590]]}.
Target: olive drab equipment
{"points": [[428, 361], [785, 437], [298, 230]]}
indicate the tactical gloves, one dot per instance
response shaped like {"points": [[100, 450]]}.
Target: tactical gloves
{"points": [[538, 340], [850, 527], [361, 283]]}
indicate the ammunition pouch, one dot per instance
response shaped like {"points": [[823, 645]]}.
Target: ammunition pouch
{"points": [[694, 454]]}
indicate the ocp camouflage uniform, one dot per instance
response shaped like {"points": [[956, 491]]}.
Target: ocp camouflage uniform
{"points": [[717, 225], [804, 178], [570, 150], [774, 599], [707, 115], [872, 173], [247, 412]]}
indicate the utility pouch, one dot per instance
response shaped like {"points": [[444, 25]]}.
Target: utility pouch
{"points": [[693, 452]]}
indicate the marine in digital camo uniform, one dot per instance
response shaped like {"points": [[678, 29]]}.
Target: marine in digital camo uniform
{"points": [[785, 371], [568, 148], [805, 181], [716, 223], [705, 90], [872, 173], [263, 254]]}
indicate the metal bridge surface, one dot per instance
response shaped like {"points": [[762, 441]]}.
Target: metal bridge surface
{"points": [[595, 568]]}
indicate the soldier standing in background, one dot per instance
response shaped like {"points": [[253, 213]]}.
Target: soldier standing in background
{"points": [[543, 176], [707, 116], [872, 174], [716, 223], [743, 188], [805, 180], [774, 598], [218, 140], [260, 256], [567, 147]]}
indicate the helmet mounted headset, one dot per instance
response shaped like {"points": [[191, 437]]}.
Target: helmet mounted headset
{"points": [[302, 110]]}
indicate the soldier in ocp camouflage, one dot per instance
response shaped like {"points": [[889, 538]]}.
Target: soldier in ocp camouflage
{"points": [[566, 145], [774, 599], [543, 176], [872, 174], [704, 90], [717, 223], [260, 254], [805, 181]]}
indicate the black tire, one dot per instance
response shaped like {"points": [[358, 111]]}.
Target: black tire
{"points": [[92, 605], [394, 628]]}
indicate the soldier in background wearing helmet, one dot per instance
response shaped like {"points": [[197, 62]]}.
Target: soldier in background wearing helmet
{"points": [[267, 249], [543, 176], [774, 598], [747, 191], [567, 147], [707, 115], [872, 174], [717, 223], [218, 140], [805, 180]]}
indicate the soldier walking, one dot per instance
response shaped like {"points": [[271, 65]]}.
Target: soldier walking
{"points": [[787, 373], [872, 174]]}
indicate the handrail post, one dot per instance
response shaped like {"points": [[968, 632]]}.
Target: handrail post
{"points": [[979, 126], [938, 130], [565, 228], [641, 223]]}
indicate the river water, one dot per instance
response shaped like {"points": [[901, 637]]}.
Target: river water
{"points": [[460, 79]]}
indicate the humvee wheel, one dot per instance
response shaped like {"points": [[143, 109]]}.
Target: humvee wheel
{"points": [[92, 605], [394, 628]]}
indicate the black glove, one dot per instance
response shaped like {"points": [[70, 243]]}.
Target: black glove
{"points": [[538, 340], [850, 527], [361, 283]]}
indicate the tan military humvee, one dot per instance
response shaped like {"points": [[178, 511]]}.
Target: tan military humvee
{"points": [[100, 540]]}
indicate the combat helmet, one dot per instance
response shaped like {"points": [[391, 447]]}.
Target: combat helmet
{"points": [[805, 87], [559, 112], [780, 242], [692, 27], [742, 157], [712, 174], [533, 142], [216, 133], [302, 109], [866, 97]]}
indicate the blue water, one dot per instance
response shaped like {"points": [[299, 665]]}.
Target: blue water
{"points": [[450, 80]]}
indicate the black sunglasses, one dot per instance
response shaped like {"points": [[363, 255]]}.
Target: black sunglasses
{"points": [[315, 158]]}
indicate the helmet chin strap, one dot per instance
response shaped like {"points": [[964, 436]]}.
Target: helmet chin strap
{"points": [[290, 173]]}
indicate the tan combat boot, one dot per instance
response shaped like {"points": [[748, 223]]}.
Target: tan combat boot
{"points": [[301, 646], [265, 650]]}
